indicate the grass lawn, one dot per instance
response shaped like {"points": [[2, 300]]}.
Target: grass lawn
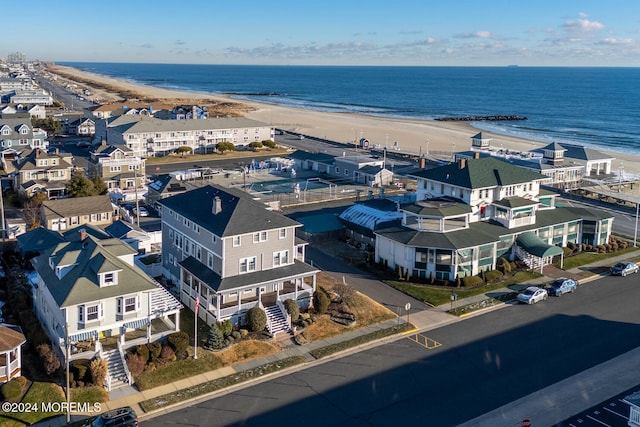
{"points": [[589, 257], [437, 295], [215, 156], [37, 393]]}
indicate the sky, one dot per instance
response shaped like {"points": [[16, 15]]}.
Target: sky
{"points": [[328, 32]]}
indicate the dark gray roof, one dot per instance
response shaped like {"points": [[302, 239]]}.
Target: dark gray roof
{"points": [[64, 208], [515, 202], [484, 232], [485, 172], [74, 233], [240, 214], [316, 157], [240, 281], [438, 207], [120, 228], [38, 239], [370, 169]]}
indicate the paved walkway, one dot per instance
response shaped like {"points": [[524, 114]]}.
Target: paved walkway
{"points": [[423, 320]]}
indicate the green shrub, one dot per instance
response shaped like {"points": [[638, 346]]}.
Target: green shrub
{"points": [[293, 309], [269, 143], [236, 335], [143, 351], [567, 251], [492, 275], [503, 265], [154, 350], [21, 380], [215, 339], [179, 341], [256, 319], [226, 327], [469, 281], [321, 301], [11, 390]]}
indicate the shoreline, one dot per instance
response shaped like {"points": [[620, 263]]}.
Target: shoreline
{"points": [[412, 135]]}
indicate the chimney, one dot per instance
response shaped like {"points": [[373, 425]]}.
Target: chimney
{"points": [[217, 205], [476, 155], [83, 234], [57, 151], [462, 163]]}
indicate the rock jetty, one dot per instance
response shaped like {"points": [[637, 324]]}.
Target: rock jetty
{"points": [[500, 117]]}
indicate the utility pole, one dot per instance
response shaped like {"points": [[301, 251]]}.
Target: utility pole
{"points": [[66, 344], [135, 185]]}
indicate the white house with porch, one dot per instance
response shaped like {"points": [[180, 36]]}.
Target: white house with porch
{"points": [[470, 213], [11, 340], [88, 291]]}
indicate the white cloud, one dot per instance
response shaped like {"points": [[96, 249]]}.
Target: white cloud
{"points": [[582, 24]]}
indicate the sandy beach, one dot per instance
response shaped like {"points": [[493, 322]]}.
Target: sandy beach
{"points": [[429, 137]]}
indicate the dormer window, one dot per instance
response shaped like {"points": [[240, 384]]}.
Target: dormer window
{"points": [[109, 279]]}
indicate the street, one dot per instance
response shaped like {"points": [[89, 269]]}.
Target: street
{"points": [[483, 363]]}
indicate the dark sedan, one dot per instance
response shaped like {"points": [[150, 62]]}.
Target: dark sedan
{"points": [[624, 268]]}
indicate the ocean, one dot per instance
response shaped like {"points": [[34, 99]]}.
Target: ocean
{"points": [[594, 107]]}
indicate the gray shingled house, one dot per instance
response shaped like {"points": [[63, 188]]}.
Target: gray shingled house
{"points": [[230, 253]]}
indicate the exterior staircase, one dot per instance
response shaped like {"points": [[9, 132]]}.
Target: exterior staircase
{"points": [[116, 370], [276, 322]]}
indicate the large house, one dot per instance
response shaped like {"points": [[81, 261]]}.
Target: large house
{"points": [[119, 168], [470, 213], [564, 164], [38, 170], [230, 253], [152, 137], [69, 213], [17, 134], [88, 289]]}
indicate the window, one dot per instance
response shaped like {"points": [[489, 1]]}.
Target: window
{"points": [[283, 233], [209, 260], [130, 304], [237, 241], [109, 279], [93, 313], [247, 265], [260, 237], [280, 258]]}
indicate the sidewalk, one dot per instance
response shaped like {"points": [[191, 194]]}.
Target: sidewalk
{"points": [[423, 320]]}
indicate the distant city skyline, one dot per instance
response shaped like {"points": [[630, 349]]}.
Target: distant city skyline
{"points": [[347, 32]]}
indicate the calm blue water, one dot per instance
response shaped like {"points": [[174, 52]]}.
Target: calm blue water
{"points": [[596, 107]]}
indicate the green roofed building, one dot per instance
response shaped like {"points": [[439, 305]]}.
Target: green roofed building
{"points": [[470, 213]]}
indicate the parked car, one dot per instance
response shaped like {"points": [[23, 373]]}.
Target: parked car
{"points": [[532, 295], [125, 417], [141, 211], [562, 286], [624, 268]]}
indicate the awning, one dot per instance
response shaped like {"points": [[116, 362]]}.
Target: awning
{"points": [[83, 336], [535, 246], [135, 324]]}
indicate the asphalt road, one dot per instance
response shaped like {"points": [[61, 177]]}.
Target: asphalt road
{"points": [[483, 363]]}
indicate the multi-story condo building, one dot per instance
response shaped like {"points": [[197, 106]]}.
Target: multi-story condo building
{"points": [[150, 137], [470, 213], [230, 253]]}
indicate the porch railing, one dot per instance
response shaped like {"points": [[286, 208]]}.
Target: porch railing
{"points": [[124, 365], [284, 312]]}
